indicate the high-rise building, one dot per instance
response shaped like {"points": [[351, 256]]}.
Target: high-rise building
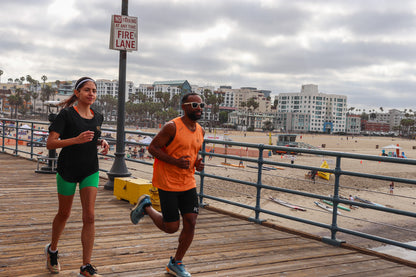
{"points": [[312, 111]]}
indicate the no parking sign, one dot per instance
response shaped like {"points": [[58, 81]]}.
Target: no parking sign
{"points": [[124, 33]]}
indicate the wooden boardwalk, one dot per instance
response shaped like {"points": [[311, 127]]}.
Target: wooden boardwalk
{"points": [[223, 245]]}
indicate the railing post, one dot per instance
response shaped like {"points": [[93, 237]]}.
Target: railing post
{"points": [[258, 185], [202, 175], [3, 135], [16, 139], [334, 227], [31, 140], [51, 167]]}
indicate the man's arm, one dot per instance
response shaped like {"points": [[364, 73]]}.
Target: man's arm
{"points": [[161, 140]]}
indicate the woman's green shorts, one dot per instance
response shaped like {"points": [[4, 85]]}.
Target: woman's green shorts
{"points": [[68, 188]]}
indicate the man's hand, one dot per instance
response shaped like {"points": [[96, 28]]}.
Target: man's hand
{"points": [[199, 165], [183, 162]]}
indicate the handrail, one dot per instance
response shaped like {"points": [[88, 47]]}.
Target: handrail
{"points": [[259, 184]]}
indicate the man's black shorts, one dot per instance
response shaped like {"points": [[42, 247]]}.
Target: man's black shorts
{"points": [[173, 201]]}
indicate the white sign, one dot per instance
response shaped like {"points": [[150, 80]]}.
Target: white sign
{"points": [[124, 35]]}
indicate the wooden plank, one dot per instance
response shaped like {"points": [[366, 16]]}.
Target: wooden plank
{"points": [[223, 245]]}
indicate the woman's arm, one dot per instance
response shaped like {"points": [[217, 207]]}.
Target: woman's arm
{"points": [[54, 142]]}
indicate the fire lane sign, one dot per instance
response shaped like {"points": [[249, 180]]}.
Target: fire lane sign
{"points": [[124, 35]]}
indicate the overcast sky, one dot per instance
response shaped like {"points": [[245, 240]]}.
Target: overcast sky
{"points": [[363, 49]]}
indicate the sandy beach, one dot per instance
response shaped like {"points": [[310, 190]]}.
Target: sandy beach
{"points": [[385, 225], [359, 219]]}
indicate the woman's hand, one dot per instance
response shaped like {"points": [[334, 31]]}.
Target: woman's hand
{"points": [[84, 137], [105, 146]]}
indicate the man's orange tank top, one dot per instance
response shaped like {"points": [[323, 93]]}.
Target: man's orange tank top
{"points": [[185, 143]]}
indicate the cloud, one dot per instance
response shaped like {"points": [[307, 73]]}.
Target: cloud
{"points": [[364, 50]]}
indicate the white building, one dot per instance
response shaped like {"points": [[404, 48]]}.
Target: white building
{"points": [[150, 90], [325, 112], [353, 124], [235, 97], [110, 87]]}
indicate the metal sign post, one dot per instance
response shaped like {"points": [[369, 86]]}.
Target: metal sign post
{"points": [[123, 38]]}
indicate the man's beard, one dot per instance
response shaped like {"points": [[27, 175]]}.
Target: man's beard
{"points": [[194, 117]]}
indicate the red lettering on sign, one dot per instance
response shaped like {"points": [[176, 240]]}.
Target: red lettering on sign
{"points": [[125, 34]]}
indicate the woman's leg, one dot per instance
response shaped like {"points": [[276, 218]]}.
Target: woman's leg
{"points": [[58, 225], [88, 196]]}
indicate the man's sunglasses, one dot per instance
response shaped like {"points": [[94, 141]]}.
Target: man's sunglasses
{"points": [[195, 105]]}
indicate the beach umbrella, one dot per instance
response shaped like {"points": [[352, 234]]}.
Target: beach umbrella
{"points": [[25, 126]]}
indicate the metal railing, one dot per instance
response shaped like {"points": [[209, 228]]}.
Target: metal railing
{"points": [[11, 142]]}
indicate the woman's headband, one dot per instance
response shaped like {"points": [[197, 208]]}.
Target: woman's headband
{"points": [[83, 81]]}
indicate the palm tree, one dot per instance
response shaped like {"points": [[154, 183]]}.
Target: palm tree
{"points": [[268, 126], [252, 105], [16, 100], [163, 98], [35, 96], [407, 123], [1, 73], [175, 101], [44, 78], [27, 96], [58, 84], [107, 102], [214, 101]]}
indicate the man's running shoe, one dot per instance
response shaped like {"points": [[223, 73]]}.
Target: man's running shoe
{"points": [[177, 268], [52, 260], [138, 211], [88, 271]]}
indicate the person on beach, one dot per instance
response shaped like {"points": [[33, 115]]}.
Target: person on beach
{"points": [[391, 187], [175, 149], [76, 130], [313, 175], [351, 198]]}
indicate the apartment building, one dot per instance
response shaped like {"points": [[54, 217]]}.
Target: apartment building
{"points": [[392, 118], [325, 112], [150, 90], [353, 124], [235, 97], [110, 87]]}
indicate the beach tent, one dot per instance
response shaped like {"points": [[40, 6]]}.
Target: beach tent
{"points": [[324, 175], [40, 133], [392, 146], [146, 140]]}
